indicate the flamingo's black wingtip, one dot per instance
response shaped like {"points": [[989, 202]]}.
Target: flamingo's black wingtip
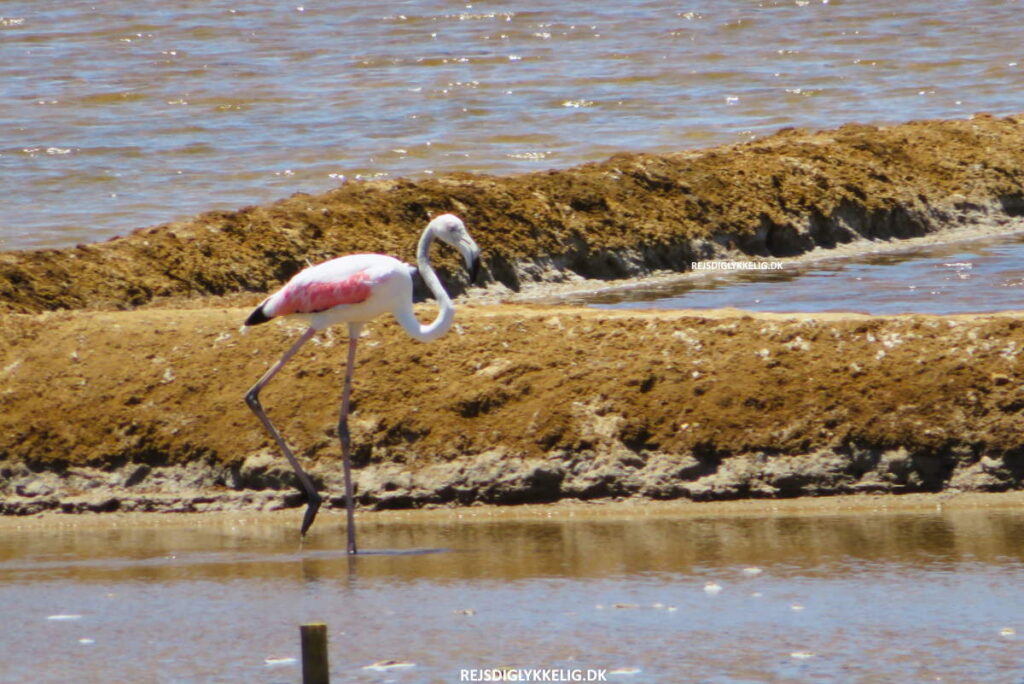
{"points": [[258, 316]]}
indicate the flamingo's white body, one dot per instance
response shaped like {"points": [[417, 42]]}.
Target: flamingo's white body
{"points": [[355, 289]]}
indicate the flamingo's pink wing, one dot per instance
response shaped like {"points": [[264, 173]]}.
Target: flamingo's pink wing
{"points": [[320, 295]]}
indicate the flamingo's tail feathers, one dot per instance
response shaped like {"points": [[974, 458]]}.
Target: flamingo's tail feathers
{"points": [[259, 315]]}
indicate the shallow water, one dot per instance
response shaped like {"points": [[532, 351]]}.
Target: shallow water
{"points": [[971, 276], [124, 114], [852, 597]]}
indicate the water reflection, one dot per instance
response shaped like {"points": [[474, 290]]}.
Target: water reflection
{"points": [[834, 597], [513, 549]]}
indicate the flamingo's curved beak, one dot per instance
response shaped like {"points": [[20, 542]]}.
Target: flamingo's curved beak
{"points": [[471, 255]]}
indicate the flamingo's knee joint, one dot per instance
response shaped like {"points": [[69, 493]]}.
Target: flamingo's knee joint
{"points": [[252, 399]]}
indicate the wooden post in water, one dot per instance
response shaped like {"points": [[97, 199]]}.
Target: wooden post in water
{"points": [[314, 653]]}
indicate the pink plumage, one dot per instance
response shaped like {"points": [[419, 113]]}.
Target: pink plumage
{"points": [[313, 297], [354, 288]]}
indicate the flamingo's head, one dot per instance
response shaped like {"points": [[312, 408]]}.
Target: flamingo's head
{"points": [[449, 228]]}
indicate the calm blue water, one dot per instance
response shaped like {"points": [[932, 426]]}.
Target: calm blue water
{"points": [[852, 597], [973, 276], [120, 114]]}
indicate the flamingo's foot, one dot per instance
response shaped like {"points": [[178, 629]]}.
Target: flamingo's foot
{"points": [[312, 506]]}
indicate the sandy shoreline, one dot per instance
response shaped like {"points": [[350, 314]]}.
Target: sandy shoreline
{"points": [[333, 523]]}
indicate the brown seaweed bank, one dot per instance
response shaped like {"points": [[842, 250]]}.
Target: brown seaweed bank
{"points": [[627, 216], [143, 411], [111, 407]]}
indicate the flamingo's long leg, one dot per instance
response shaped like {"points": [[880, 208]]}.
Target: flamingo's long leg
{"points": [[354, 329], [252, 398]]}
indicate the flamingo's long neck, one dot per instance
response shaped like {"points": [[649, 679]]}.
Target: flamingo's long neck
{"points": [[443, 322]]}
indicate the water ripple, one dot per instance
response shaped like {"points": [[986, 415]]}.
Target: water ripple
{"points": [[330, 90]]}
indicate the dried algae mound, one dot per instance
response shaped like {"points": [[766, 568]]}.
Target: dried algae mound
{"points": [[108, 406], [779, 195], [143, 410]]}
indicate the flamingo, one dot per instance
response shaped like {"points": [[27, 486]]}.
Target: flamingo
{"points": [[355, 289]]}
